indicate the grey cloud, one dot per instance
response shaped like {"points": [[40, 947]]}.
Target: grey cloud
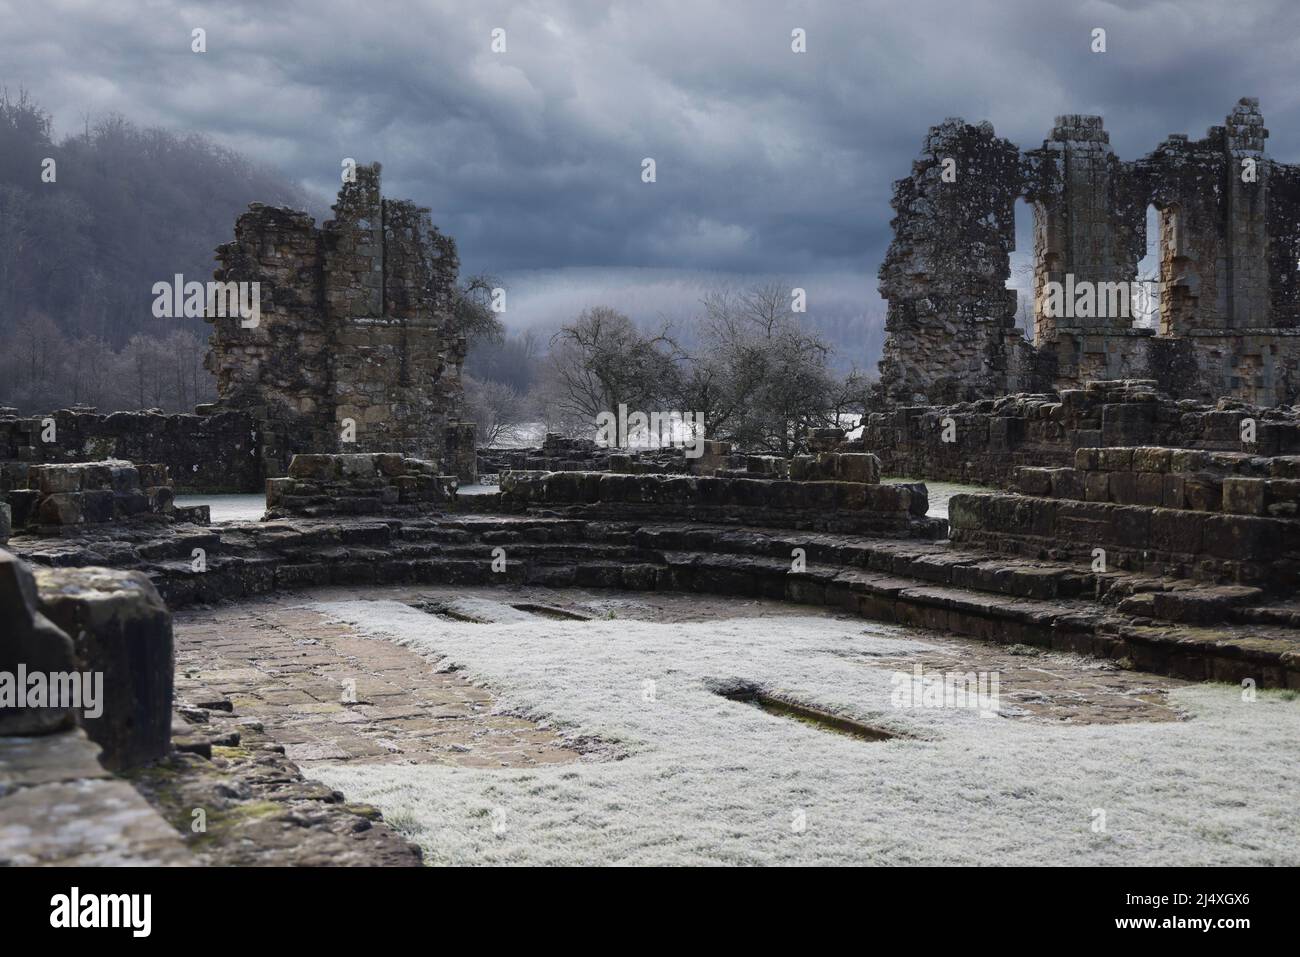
{"points": [[768, 162]]}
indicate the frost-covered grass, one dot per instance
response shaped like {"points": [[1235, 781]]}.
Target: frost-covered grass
{"points": [[229, 508], [940, 493], [707, 780]]}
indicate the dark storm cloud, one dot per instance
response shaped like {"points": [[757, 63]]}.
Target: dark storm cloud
{"points": [[769, 162]]}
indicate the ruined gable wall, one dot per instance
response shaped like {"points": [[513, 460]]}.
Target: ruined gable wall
{"points": [[279, 371], [355, 338], [950, 322], [397, 371], [1229, 294]]}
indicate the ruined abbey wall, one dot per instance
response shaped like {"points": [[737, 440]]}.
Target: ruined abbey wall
{"points": [[354, 350], [1228, 290]]}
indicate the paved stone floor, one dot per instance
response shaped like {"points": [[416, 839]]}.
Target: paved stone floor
{"points": [[275, 686], [328, 694]]}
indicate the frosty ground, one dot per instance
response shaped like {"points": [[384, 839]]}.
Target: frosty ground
{"points": [[674, 773]]}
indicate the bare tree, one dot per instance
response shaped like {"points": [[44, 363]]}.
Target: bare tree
{"points": [[762, 379], [603, 360], [496, 408]]}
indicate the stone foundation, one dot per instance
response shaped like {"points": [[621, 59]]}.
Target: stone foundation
{"points": [[359, 484], [829, 505], [202, 453], [60, 498], [1219, 548], [992, 438]]}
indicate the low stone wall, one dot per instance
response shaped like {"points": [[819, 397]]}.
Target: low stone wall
{"points": [[985, 442], [60, 498], [363, 483], [1171, 542], [1174, 478], [203, 453], [559, 453], [891, 510]]}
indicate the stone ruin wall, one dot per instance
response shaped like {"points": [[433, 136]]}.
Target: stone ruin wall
{"points": [[991, 438], [355, 324], [1229, 309], [355, 327], [218, 452]]}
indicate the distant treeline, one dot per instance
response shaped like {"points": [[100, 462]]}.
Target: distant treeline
{"points": [[126, 207]]}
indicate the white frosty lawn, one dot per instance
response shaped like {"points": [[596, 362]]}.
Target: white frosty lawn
{"points": [[229, 508], [708, 780]]}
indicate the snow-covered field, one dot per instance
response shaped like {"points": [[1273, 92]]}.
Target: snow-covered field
{"points": [[940, 492], [229, 508], [689, 777]]}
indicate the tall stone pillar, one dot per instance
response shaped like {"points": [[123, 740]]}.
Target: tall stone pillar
{"points": [[950, 320]]}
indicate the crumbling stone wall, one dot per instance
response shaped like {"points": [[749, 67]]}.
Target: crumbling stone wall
{"points": [[219, 452], [61, 498], [951, 320], [1229, 291], [985, 442], [837, 505], [355, 349], [359, 483]]}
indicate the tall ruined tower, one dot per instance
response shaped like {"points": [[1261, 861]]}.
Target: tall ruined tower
{"points": [[951, 319], [1089, 228], [1228, 290], [355, 349]]}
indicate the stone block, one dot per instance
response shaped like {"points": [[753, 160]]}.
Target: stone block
{"points": [[122, 631], [1244, 538], [53, 479], [858, 467], [1173, 495], [1203, 491], [1150, 459], [355, 465], [1067, 483], [1115, 459], [390, 464], [1087, 460], [312, 466], [1285, 466], [32, 644], [60, 508], [97, 506], [1177, 531], [1096, 486], [1188, 460], [153, 474], [1034, 481], [1137, 488], [1244, 496], [276, 489]]}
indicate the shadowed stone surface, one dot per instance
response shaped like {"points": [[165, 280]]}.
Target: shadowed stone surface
{"points": [[123, 631], [31, 643], [1229, 301]]}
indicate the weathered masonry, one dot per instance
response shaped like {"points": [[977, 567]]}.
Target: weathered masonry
{"points": [[1229, 288], [355, 349]]}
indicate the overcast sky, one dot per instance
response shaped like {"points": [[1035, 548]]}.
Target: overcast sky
{"points": [[769, 162]]}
